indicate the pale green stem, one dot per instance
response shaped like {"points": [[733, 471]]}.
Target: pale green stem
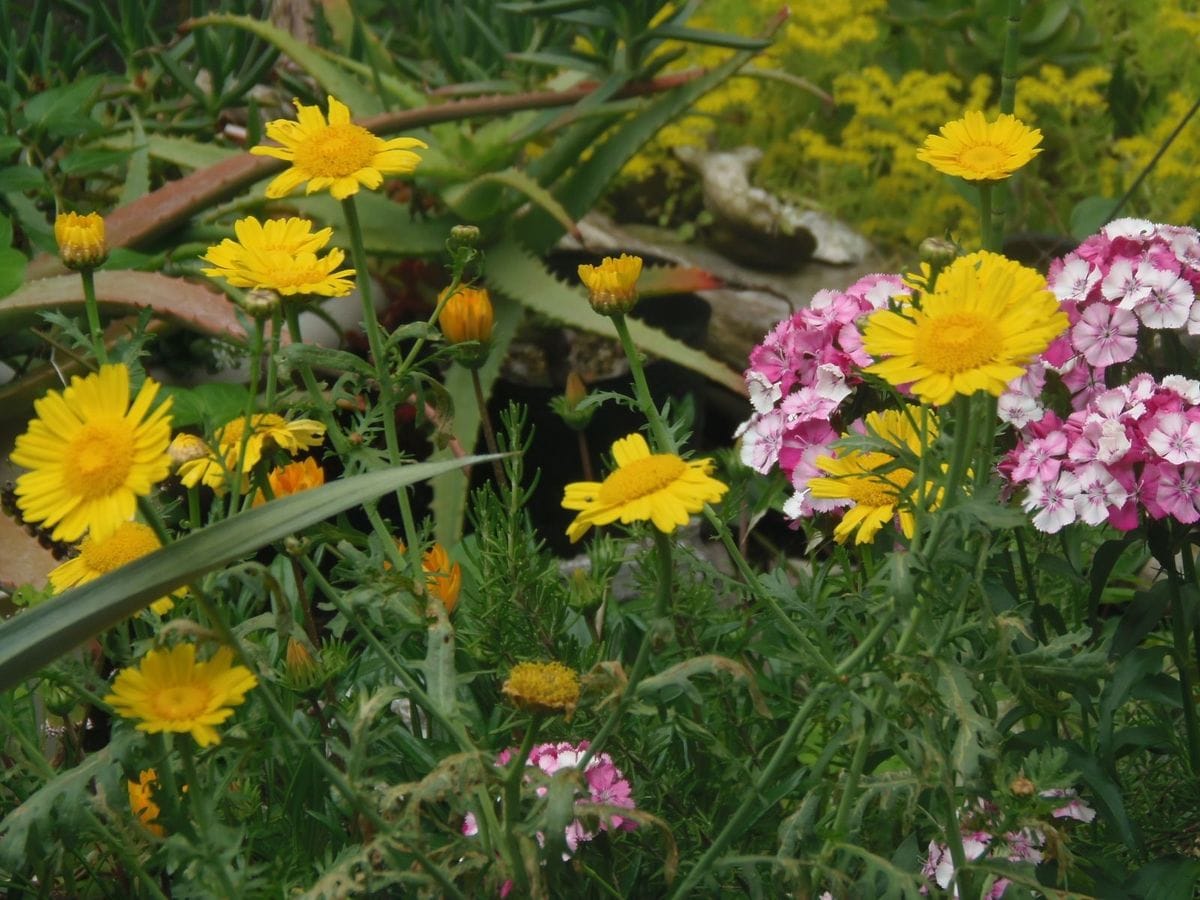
{"points": [[662, 436], [92, 309], [489, 433], [256, 350], [512, 806], [200, 812], [433, 320], [852, 776], [272, 352], [340, 445]]}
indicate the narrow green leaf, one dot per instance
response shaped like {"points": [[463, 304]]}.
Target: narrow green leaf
{"points": [[12, 270], [326, 69], [702, 36], [137, 176], [460, 197], [90, 161], [36, 638]]}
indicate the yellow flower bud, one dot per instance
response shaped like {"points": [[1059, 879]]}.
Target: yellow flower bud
{"points": [[302, 670], [612, 285], [468, 316], [185, 447], [81, 243]]}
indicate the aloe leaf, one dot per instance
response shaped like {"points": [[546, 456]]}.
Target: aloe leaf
{"points": [[37, 637], [463, 199], [514, 271], [194, 305], [583, 187], [329, 74]]}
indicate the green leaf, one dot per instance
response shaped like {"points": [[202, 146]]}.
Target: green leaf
{"points": [[210, 405], [325, 68], [1130, 671], [12, 270], [1141, 616], [668, 32], [326, 358], [62, 111], [1090, 215], [1166, 879], [676, 681], [21, 178], [9, 143], [974, 732], [91, 161], [465, 199], [137, 176], [37, 637], [515, 272]]}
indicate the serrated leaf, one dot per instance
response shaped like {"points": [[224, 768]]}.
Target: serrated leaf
{"points": [[90, 161], [972, 731], [515, 272], [326, 358], [464, 199], [37, 637], [658, 280], [677, 681], [323, 67], [58, 110]]}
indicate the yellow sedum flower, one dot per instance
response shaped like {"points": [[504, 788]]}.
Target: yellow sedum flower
{"points": [[612, 285], [543, 687], [170, 691], [280, 255], [659, 488], [141, 801], [872, 482], [334, 154], [81, 241], [91, 454], [986, 319], [292, 479], [131, 540], [978, 150], [266, 430]]}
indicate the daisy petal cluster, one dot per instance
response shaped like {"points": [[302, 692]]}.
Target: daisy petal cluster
{"points": [[280, 255], [978, 150], [980, 836], [798, 378], [266, 431], [1133, 275], [1132, 447], [607, 786]]}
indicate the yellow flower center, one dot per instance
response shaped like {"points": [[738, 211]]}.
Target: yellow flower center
{"points": [[181, 702], [130, 541], [338, 151], [101, 456], [881, 490], [641, 478], [983, 157], [957, 342]]}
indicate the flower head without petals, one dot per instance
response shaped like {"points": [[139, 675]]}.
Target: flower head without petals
{"points": [[659, 488], [543, 687], [280, 255], [130, 541], [91, 453], [987, 318], [334, 154], [978, 150], [81, 240], [170, 691], [612, 285]]}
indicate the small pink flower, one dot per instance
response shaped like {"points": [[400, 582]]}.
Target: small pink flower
{"points": [[1168, 300], [1175, 438], [1105, 335]]}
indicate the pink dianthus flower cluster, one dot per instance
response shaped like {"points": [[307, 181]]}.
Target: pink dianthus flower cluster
{"points": [[1133, 274], [798, 377], [606, 783], [1023, 845], [1130, 447]]}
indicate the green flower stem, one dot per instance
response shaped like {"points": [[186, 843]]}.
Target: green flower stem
{"points": [[1183, 661], [411, 358], [853, 774], [986, 235], [489, 433], [452, 726], [662, 436], [169, 796], [256, 350], [955, 843], [272, 352], [200, 813], [93, 315], [340, 445], [387, 396], [960, 452], [662, 610], [1008, 99], [512, 806], [1189, 574]]}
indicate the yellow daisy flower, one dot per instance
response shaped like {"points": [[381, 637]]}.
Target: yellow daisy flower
{"points": [[542, 687], [976, 332], [131, 540], [292, 479], [871, 481], [171, 691], [92, 454], [280, 255], [659, 488], [266, 430], [336, 154], [978, 150], [612, 285], [81, 241], [141, 801]]}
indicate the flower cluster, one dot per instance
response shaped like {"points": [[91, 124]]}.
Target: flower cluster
{"points": [[979, 837], [266, 431], [607, 786], [1132, 275], [798, 377], [1134, 446]]}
